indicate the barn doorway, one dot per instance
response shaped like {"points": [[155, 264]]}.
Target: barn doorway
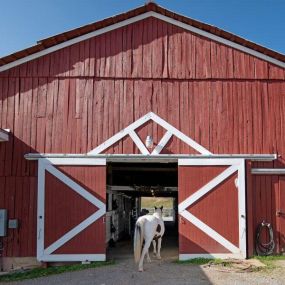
{"points": [[133, 189]]}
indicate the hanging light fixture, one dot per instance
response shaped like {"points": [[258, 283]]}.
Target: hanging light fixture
{"points": [[149, 142]]}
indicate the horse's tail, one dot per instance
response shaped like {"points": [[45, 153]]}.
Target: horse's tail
{"points": [[138, 240]]}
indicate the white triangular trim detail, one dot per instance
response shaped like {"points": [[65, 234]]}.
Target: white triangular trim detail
{"points": [[162, 143], [138, 142], [130, 130]]}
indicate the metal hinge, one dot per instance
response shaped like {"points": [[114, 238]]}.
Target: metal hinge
{"points": [[279, 213]]}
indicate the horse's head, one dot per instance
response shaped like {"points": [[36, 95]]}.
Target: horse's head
{"points": [[158, 210]]}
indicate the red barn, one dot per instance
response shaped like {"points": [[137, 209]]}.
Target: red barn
{"points": [[75, 112]]}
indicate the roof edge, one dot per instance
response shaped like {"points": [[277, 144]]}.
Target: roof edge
{"points": [[65, 39]]}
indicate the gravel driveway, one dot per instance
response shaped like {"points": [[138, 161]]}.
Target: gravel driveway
{"points": [[165, 272]]}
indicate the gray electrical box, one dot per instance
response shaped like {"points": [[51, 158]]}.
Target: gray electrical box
{"points": [[13, 224], [3, 222]]}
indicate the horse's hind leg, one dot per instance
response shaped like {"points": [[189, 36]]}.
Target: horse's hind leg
{"points": [[154, 247], [147, 256], [158, 248], [144, 252]]}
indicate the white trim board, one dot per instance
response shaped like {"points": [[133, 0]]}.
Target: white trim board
{"points": [[45, 254], [4, 135], [76, 161], [130, 130], [136, 19], [143, 158], [162, 143], [213, 161]]}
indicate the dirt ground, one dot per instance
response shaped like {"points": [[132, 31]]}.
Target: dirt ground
{"points": [[166, 272]]}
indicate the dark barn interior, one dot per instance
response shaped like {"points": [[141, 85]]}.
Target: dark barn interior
{"points": [[127, 185]]}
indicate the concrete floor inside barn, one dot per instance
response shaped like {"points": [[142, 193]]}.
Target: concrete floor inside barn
{"points": [[169, 249]]}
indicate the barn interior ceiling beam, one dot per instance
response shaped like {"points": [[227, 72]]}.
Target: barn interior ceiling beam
{"points": [[146, 158], [142, 188], [143, 169]]}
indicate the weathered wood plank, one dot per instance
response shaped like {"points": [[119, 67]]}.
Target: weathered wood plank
{"points": [[203, 57], [42, 97]]}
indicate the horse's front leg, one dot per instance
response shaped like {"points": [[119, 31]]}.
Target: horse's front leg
{"points": [[154, 247], [144, 252], [158, 248]]}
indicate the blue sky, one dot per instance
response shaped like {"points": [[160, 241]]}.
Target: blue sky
{"points": [[23, 22]]}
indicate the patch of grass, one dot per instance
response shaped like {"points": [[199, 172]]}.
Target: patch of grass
{"points": [[41, 272], [202, 261], [270, 257], [269, 261]]}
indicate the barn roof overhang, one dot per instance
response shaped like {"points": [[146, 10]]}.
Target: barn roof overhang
{"points": [[4, 135], [136, 158], [71, 37]]}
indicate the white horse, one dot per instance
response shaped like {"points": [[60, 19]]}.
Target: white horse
{"points": [[148, 228]]}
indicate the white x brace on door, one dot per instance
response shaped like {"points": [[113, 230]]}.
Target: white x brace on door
{"points": [[71, 209], [214, 190]]}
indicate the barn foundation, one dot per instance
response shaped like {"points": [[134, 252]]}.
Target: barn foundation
{"points": [[19, 263]]}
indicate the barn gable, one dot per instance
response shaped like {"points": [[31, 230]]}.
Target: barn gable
{"points": [[149, 38]]}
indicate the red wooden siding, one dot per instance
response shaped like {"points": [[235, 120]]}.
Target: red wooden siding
{"points": [[268, 198], [65, 209], [150, 48], [281, 219], [211, 112], [218, 209], [74, 99]]}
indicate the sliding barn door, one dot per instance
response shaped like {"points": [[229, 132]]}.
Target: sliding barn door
{"points": [[212, 222], [71, 210]]}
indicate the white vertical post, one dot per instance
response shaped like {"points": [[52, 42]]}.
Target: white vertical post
{"points": [[41, 208], [242, 208]]}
